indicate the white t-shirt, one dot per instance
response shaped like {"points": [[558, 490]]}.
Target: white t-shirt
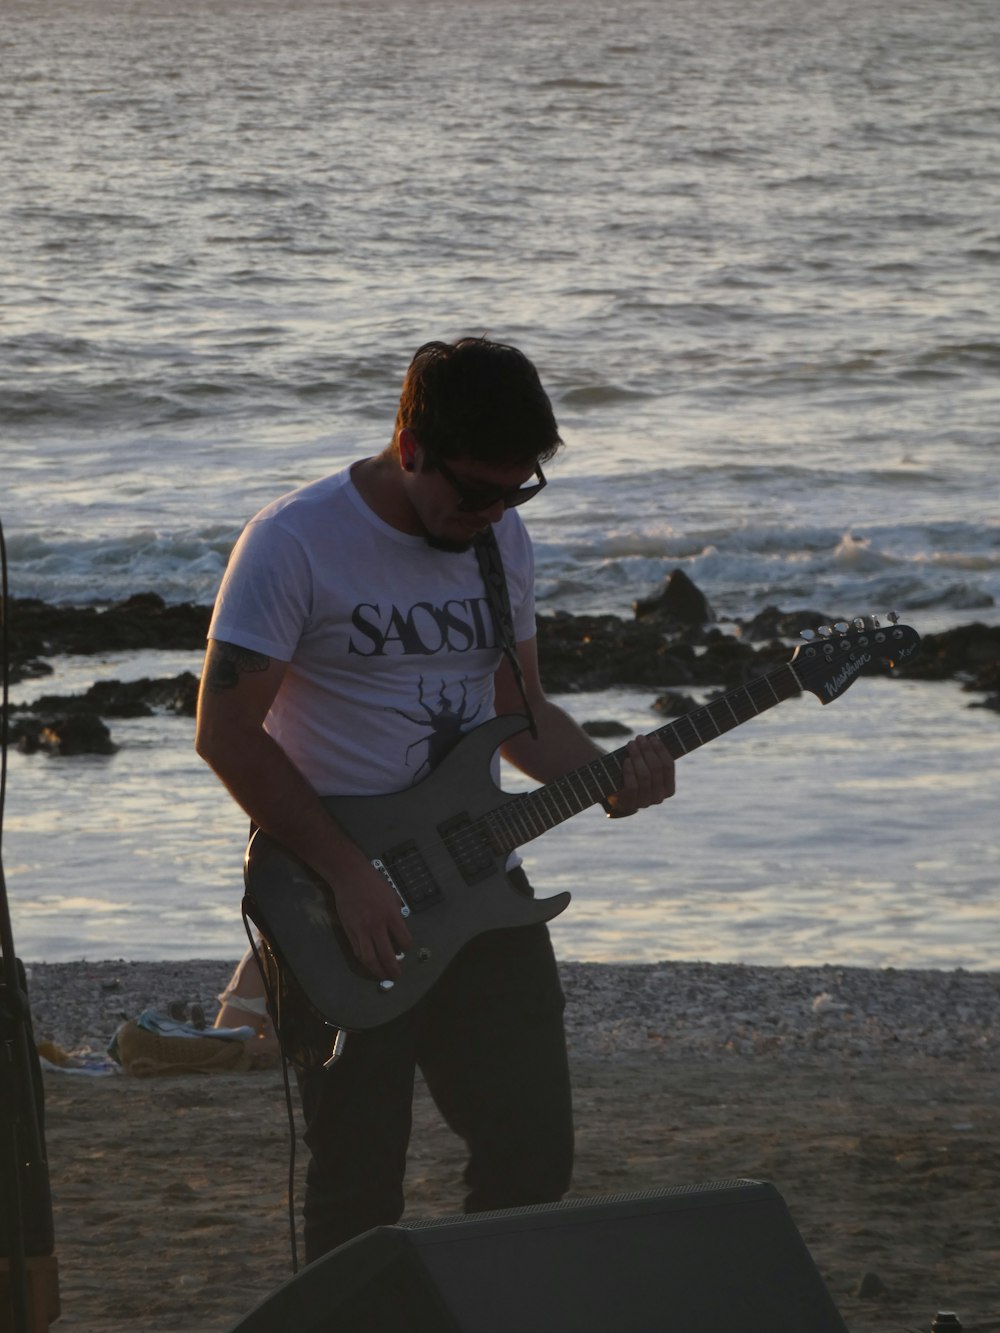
{"points": [[391, 644]]}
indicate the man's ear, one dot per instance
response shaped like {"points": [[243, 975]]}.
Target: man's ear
{"points": [[407, 450]]}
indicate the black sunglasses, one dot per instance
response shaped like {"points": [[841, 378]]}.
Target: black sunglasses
{"points": [[477, 499]]}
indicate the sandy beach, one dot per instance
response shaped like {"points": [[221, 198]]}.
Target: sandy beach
{"points": [[870, 1100]]}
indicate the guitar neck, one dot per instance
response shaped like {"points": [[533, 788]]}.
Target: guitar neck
{"points": [[533, 813]]}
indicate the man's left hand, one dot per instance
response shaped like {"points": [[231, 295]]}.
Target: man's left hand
{"points": [[647, 777]]}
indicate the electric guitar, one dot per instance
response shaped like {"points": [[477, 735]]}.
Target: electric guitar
{"points": [[443, 843]]}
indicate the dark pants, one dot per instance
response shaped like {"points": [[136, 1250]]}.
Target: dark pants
{"points": [[489, 1041]]}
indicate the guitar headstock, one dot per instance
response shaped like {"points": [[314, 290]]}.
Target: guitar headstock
{"points": [[833, 656]]}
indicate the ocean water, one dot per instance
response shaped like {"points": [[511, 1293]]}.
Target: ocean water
{"points": [[754, 250]]}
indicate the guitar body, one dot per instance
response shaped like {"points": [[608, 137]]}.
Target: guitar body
{"points": [[429, 840]]}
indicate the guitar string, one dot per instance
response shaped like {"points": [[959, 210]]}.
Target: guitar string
{"points": [[572, 789], [530, 814]]}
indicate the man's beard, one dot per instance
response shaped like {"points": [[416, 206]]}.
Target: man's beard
{"points": [[448, 544]]}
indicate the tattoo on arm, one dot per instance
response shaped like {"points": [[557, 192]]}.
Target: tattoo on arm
{"points": [[227, 661]]}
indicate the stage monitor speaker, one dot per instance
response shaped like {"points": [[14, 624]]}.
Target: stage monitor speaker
{"points": [[723, 1257]]}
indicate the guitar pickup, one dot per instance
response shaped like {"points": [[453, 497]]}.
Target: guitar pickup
{"points": [[471, 852]]}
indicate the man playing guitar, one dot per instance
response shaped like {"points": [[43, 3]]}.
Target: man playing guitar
{"points": [[352, 646]]}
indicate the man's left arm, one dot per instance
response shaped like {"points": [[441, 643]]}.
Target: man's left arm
{"points": [[562, 745]]}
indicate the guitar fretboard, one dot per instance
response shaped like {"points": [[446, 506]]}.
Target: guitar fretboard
{"points": [[533, 813]]}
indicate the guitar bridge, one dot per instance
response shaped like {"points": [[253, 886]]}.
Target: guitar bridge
{"points": [[383, 870], [407, 871]]}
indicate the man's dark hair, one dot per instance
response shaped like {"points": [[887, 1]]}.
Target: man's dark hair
{"points": [[479, 399]]}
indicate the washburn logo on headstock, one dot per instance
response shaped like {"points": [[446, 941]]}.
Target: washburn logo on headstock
{"points": [[846, 675]]}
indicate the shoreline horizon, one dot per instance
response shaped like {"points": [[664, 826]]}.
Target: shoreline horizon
{"points": [[195, 960], [670, 1007]]}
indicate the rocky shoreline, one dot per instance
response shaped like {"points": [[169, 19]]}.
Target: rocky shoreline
{"points": [[699, 1010], [670, 645]]}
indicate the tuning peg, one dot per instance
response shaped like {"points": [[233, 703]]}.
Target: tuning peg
{"points": [[875, 622], [807, 634], [858, 622], [842, 627], [893, 617], [825, 632]]}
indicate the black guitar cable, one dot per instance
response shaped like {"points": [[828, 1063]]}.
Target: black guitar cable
{"points": [[271, 977], [272, 1005]]}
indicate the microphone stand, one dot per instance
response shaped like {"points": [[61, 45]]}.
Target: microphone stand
{"points": [[24, 1178]]}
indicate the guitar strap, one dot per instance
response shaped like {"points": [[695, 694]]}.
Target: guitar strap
{"points": [[491, 567], [491, 564]]}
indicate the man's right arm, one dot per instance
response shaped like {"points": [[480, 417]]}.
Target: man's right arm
{"points": [[238, 687]]}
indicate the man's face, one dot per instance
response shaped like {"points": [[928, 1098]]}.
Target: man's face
{"points": [[457, 499]]}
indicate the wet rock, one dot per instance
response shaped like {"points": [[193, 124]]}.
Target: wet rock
{"points": [[76, 704], [72, 724], [729, 661], [174, 694], [666, 646], [29, 668], [597, 652], [599, 729], [774, 624], [972, 650], [988, 678], [600, 652], [80, 733], [673, 704], [115, 698], [679, 602], [37, 629]]}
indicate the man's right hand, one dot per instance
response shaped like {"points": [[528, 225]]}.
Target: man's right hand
{"points": [[238, 688], [371, 915]]}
